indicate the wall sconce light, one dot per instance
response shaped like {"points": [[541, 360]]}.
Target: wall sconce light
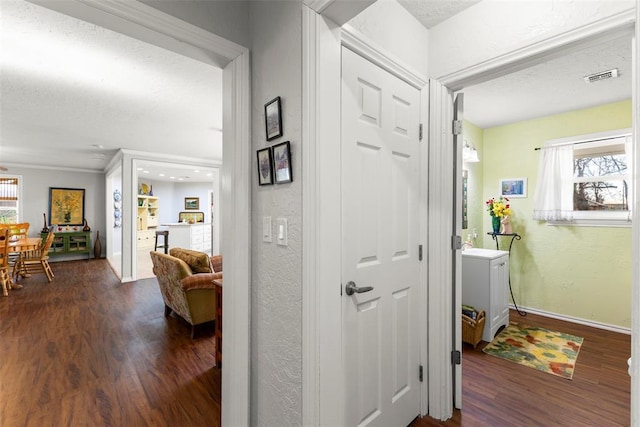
{"points": [[469, 153]]}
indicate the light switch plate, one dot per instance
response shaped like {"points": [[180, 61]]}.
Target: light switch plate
{"points": [[266, 229], [281, 231]]}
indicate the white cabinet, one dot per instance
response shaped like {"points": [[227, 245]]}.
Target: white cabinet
{"points": [[147, 222], [485, 286], [190, 236]]}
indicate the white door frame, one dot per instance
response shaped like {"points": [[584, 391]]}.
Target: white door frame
{"points": [[145, 23], [322, 341], [321, 187]]}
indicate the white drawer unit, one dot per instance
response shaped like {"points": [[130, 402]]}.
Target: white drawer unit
{"points": [[485, 286], [190, 236], [146, 239]]}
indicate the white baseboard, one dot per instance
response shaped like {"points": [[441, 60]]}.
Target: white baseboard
{"points": [[605, 326]]}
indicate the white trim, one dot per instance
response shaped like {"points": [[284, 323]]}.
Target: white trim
{"points": [[572, 319], [424, 241], [577, 139], [310, 344], [366, 48], [170, 158], [634, 368], [519, 59], [321, 311], [146, 23], [20, 200], [236, 242], [440, 257], [48, 167]]}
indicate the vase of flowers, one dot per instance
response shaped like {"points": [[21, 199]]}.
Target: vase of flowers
{"points": [[498, 209]]}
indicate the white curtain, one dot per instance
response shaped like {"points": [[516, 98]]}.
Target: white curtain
{"points": [[553, 200]]}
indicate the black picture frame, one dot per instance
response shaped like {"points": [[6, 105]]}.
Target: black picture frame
{"points": [[273, 118], [66, 206], [282, 163], [265, 166], [192, 203]]}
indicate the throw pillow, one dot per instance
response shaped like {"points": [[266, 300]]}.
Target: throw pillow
{"points": [[198, 261]]}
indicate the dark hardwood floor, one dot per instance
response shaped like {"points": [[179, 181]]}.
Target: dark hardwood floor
{"points": [[496, 392], [86, 350]]}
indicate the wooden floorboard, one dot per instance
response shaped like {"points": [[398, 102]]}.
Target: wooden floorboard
{"points": [[86, 350], [496, 392]]}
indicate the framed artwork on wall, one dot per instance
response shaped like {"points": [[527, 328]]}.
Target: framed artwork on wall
{"points": [[282, 162], [265, 171], [273, 118], [66, 206], [191, 203], [513, 187]]}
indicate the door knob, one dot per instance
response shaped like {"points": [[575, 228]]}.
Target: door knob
{"points": [[351, 288]]}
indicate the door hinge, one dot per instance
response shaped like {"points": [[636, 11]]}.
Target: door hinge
{"points": [[456, 357], [457, 127], [340, 289], [420, 132], [420, 376], [419, 252], [456, 242]]}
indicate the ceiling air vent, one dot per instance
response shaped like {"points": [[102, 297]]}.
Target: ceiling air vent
{"points": [[611, 74]]}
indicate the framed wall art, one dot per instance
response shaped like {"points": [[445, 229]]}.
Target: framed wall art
{"points": [[191, 203], [273, 118], [282, 163], [265, 170], [513, 187], [66, 206]]}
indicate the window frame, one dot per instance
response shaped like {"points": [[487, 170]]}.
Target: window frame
{"points": [[600, 218], [19, 194]]}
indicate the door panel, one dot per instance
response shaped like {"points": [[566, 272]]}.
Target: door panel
{"points": [[380, 154], [458, 110]]}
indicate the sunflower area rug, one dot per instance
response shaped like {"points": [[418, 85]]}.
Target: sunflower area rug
{"points": [[538, 348]]}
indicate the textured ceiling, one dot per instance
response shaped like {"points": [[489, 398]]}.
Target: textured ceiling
{"points": [[548, 88], [432, 12], [552, 87], [72, 93]]}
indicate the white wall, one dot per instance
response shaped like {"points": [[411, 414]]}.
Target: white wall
{"points": [[113, 233], [493, 27], [390, 26], [276, 312], [35, 196]]}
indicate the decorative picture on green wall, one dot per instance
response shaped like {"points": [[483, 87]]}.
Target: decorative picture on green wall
{"points": [[513, 187]]}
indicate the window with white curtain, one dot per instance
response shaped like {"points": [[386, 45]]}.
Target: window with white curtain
{"points": [[586, 180]]}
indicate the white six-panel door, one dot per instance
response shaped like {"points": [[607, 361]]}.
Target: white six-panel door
{"points": [[380, 194]]}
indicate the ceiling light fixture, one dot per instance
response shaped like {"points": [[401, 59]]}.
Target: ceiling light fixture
{"points": [[469, 153]]}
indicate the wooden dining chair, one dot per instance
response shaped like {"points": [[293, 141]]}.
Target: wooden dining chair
{"points": [[5, 276], [19, 230], [16, 232], [38, 260]]}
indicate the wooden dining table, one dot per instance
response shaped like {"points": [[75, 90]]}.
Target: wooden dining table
{"points": [[21, 246]]}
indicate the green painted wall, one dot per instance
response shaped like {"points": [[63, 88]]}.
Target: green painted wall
{"points": [[582, 272]]}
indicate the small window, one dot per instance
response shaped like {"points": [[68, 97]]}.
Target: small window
{"points": [[9, 199], [601, 176], [586, 180]]}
